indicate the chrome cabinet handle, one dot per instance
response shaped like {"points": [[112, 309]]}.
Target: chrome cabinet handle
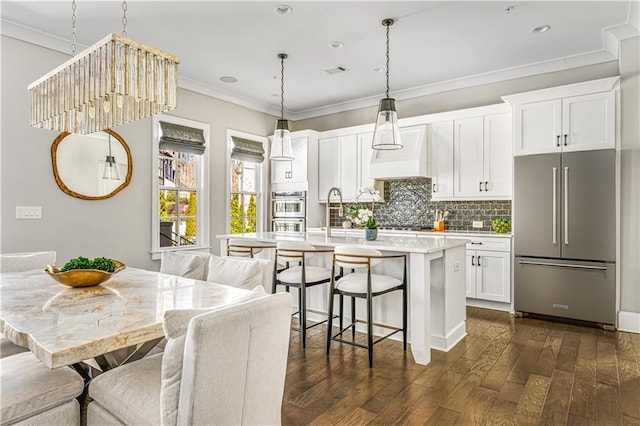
{"points": [[566, 206], [558, 140], [472, 259], [563, 265], [555, 206]]}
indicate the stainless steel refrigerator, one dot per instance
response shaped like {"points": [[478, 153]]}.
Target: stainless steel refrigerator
{"points": [[564, 235]]}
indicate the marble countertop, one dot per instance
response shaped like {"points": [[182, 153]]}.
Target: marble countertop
{"points": [[63, 325], [398, 243], [423, 232]]}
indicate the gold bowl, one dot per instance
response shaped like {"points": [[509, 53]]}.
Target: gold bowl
{"points": [[82, 277]]}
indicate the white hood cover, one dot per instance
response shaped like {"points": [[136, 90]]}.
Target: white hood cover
{"points": [[408, 162]]}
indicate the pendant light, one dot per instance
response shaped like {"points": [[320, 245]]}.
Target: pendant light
{"points": [[386, 135], [110, 166], [281, 149], [114, 81]]}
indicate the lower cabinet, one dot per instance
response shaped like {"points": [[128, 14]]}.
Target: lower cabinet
{"points": [[489, 269]]}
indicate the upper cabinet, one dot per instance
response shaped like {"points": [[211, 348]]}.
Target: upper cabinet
{"points": [[577, 117], [294, 175], [471, 154], [337, 166]]}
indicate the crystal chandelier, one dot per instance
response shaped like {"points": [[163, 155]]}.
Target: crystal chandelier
{"points": [[113, 82], [281, 149], [386, 135]]}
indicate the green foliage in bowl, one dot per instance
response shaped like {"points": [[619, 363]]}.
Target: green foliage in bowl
{"points": [[501, 225], [99, 263]]}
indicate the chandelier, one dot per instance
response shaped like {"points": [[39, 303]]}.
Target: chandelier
{"points": [[113, 82], [386, 135], [281, 149]]}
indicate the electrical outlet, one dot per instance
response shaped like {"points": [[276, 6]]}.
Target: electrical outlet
{"points": [[456, 266], [28, 212], [477, 224]]}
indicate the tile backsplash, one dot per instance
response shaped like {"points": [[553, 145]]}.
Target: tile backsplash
{"points": [[408, 203]]}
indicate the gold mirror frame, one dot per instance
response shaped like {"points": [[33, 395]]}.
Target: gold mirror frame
{"points": [[67, 190]]}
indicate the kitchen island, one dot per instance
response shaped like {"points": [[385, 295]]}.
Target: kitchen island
{"points": [[436, 280]]}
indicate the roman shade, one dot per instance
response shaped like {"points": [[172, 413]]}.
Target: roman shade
{"points": [[181, 138], [247, 150]]}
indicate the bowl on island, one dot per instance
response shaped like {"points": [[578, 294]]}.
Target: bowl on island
{"points": [[83, 277]]}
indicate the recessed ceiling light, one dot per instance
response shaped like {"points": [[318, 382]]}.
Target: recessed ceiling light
{"points": [[377, 69], [283, 9], [228, 79], [540, 29], [336, 44]]}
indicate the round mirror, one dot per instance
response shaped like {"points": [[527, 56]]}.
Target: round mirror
{"points": [[91, 167]]}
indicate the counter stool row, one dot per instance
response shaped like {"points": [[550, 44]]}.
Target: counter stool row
{"points": [[351, 274]]}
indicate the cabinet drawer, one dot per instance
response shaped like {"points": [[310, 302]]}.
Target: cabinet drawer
{"points": [[488, 243]]}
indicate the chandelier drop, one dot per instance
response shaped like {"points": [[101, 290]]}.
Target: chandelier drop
{"points": [[386, 135], [113, 82], [281, 149]]}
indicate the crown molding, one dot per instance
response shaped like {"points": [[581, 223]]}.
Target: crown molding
{"points": [[607, 54]]}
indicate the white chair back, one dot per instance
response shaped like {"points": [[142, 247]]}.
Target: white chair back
{"points": [[18, 262], [354, 257], [291, 252], [243, 248]]}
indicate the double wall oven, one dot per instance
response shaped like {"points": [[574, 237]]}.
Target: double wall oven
{"points": [[289, 212]]}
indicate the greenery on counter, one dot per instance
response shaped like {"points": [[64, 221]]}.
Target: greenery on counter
{"points": [[100, 263]]}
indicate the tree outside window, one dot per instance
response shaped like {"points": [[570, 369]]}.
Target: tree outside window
{"points": [[243, 197]]}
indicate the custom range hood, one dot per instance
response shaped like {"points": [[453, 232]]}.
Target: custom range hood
{"points": [[408, 162]]}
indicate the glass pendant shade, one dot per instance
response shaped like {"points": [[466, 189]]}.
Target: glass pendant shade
{"points": [[110, 169], [281, 149], [386, 135], [113, 82]]}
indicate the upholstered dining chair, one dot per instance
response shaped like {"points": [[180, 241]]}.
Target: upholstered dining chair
{"points": [[363, 283], [299, 274], [224, 366], [34, 395], [18, 262]]}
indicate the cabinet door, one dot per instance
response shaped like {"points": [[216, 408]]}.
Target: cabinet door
{"points": [[364, 163], [493, 276], [348, 167], [588, 122], [471, 274], [467, 150], [280, 171], [328, 166], [497, 159], [538, 127], [442, 159], [299, 163]]}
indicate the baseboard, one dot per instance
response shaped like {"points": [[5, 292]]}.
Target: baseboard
{"points": [[445, 343], [490, 304], [629, 321]]}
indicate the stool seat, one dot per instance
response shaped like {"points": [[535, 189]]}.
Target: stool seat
{"points": [[313, 274], [357, 283]]}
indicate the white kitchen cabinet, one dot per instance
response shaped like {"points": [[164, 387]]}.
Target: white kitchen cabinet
{"points": [[578, 117], [442, 159], [489, 269], [467, 155], [294, 171], [497, 157], [337, 160]]}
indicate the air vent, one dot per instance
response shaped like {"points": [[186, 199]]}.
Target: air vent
{"points": [[335, 70]]}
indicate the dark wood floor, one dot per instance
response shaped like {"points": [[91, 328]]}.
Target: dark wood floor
{"points": [[506, 371]]}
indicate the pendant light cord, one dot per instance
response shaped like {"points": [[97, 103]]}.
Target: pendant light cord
{"points": [[387, 25], [109, 144], [124, 18], [73, 28], [282, 85]]}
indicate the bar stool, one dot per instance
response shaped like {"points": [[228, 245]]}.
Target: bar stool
{"points": [[244, 248], [364, 285], [297, 274]]}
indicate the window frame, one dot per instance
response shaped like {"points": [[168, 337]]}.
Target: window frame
{"points": [[203, 164], [261, 175]]}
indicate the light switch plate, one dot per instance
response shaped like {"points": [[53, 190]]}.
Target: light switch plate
{"points": [[477, 224], [456, 266], [28, 212]]}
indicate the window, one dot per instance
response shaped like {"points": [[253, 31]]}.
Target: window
{"points": [[180, 200], [245, 210]]}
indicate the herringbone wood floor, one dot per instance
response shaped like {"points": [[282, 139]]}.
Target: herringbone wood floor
{"points": [[506, 371]]}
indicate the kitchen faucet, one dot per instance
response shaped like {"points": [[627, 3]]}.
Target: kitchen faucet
{"points": [[338, 192]]}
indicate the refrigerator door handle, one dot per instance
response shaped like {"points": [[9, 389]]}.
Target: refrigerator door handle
{"points": [[563, 265], [566, 205], [555, 206]]}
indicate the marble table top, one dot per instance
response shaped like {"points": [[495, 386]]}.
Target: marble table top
{"points": [[63, 325]]}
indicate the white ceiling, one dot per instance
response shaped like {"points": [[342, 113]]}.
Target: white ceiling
{"points": [[435, 45]]}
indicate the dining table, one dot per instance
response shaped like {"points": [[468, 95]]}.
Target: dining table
{"points": [[64, 326]]}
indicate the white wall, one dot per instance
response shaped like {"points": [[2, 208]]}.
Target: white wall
{"points": [[118, 227]]}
